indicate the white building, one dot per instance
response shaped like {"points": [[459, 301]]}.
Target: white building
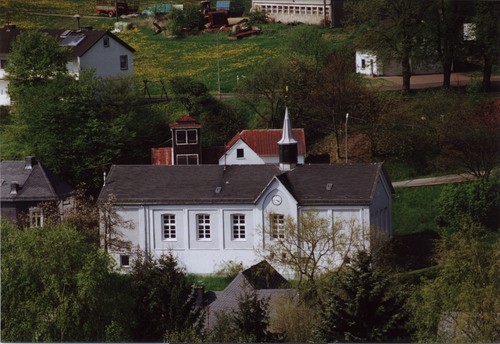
{"points": [[368, 64], [210, 214], [98, 49], [303, 11]]}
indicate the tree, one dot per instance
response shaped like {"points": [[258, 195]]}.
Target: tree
{"points": [[112, 226], [251, 319], [220, 121], [487, 31], [469, 137], [477, 201], [461, 303], [362, 306], [444, 25], [315, 246], [35, 58], [163, 300], [393, 30], [56, 286], [189, 18]]}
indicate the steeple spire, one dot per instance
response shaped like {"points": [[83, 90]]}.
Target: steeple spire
{"points": [[287, 145]]}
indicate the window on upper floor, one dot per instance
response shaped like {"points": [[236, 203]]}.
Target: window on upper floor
{"points": [[123, 62], [240, 153], [277, 226], [187, 159], [203, 222], [238, 226], [105, 41], [184, 137], [36, 217], [169, 228]]}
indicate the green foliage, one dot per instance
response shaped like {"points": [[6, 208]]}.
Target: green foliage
{"points": [[220, 121], [163, 302], [35, 58], [257, 17], [251, 319], [461, 303], [416, 209], [56, 286], [362, 305], [478, 201], [187, 19], [307, 41]]}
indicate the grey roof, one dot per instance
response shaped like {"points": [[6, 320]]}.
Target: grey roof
{"points": [[36, 184], [241, 184], [7, 36]]}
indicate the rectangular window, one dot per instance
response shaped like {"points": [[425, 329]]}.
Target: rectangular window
{"points": [[240, 153], [183, 137], [105, 41], [3, 64], [124, 260], [36, 217], [238, 224], [203, 221], [123, 62], [187, 159], [169, 230], [363, 63], [277, 226]]}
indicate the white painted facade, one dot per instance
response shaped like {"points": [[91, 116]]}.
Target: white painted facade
{"points": [[368, 64], [105, 60], [4, 84], [205, 256], [286, 11]]}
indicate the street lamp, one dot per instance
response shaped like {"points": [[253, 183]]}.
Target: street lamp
{"points": [[77, 16], [346, 118], [218, 62]]}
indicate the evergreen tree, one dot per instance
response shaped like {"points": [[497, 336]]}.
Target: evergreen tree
{"points": [[361, 306], [251, 319]]}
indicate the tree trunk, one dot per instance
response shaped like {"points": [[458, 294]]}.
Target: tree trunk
{"points": [[446, 74], [487, 70], [406, 74]]}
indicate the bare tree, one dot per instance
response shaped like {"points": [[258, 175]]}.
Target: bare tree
{"points": [[111, 226]]}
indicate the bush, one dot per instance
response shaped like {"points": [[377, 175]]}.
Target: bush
{"points": [[257, 17], [478, 201]]}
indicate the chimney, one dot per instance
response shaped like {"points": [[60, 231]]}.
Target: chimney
{"points": [[14, 187], [30, 162], [287, 146]]}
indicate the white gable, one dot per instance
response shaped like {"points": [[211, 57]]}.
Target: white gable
{"points": [[249, 155]]}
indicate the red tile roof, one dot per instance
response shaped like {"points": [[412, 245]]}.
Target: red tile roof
{"points": [[185, 121], [264, 142]]}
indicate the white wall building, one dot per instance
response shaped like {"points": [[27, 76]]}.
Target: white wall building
{"points": [[101, 50], [210, 214], [368, 64]]}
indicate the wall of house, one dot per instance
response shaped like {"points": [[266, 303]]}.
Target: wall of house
{"points": [[367, 64], [285, 11], [249, 156], [4, 95], [381, 208], [106, 61]]}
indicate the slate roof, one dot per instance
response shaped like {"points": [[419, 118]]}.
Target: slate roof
{"points": [[264, 141], [241, 184], [36, 184], [7, 36]]}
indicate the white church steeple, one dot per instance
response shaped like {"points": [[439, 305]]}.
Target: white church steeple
{"points": [[287, 146]]}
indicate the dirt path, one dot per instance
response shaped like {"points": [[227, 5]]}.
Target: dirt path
{"points": [[453, 178]]}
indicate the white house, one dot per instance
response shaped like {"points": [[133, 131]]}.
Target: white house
{"points": [[98, 49], [257, 147], [210, 214], [303, 11], [368, 64]]}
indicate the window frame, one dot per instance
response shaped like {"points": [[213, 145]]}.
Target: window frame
{"points": [[238, 227], [203, 227], [186, 140], [169, 230], [36, 217], [105, 41], [124, 258], [277, 226], [187, 157], [123, 62], [240, 153]]}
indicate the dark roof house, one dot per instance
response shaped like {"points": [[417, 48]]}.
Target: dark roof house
{"points": [[26, 184]]}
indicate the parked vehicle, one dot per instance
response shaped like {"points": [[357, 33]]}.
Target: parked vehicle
{"points": [[113, 8]]}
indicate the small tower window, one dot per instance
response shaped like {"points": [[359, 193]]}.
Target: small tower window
{"points": [[105, 41]]}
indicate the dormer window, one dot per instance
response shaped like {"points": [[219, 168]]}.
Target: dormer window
{"points": [[240, 153], [105, 41]]}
